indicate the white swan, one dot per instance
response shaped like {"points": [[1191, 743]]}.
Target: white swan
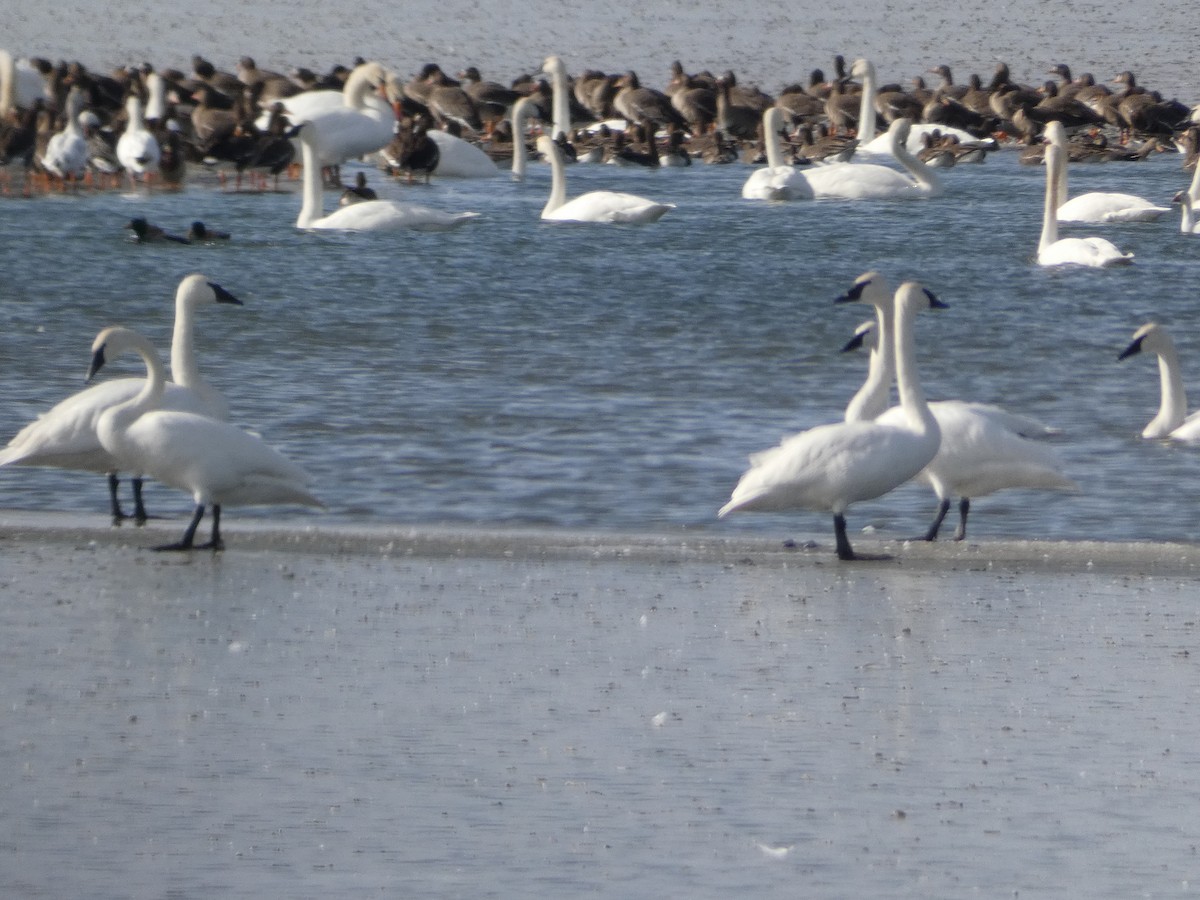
{"points": [[1092, 251], [1187, 200], [138, 151], [778, 181], [368, 215], [20, 85], [461, 159], [984, 448], [831, 466], [560, 103], [65, 436], [869, 181], [346, 124], [871, 144], [1096, 206], [594, 206], [67, 153], [521, 111], [1172, 421], [218, 464]]}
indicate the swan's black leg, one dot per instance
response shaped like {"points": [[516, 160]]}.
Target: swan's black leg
{"points": [[189, 536], [844, 550], [964, 506], [215, 542], [943, 508], [139, 508], [118, 515]]}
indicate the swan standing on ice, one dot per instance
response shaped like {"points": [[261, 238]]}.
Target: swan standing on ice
{"points": [[984, 448], [218, 464], [1052, 251], [831, 466], [1172, 421], [1095, 206], [368, 215], [65, 437], [1187, 201], [594, 206], [869, 181], [778, 181], [138, 150]]}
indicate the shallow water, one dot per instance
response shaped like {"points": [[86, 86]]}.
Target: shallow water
{"points": [[269, 723], [520, 373]]}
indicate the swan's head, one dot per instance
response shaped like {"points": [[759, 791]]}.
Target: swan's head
{"points": [[869, 287], [196, 289], [899, 131], [862, 69], [111, 343], [866, 337], [1151, 337], [554, 66], [915, 297], [547, 147], [1055, 134]]}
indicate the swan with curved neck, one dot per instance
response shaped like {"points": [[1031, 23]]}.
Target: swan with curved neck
{"points": [[348, 123], [65, 436], [869, 181], [218, 464], [522, 110], [1172, 421], [984, 448], [1053, 251], [777, 181], [1095, 206], [829, 467], [369, 215], [594, 206]]}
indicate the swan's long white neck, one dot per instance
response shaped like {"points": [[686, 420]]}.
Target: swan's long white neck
{"points": [[874, 397], [772, 119], [560, 104], [133, 107], [908, 382], [1187, 203], [1058, 137], [918, 170], [358, 83], [8, 83], [520, 112], [313, 205], [121, 416], [1050, 207], [866, 105], [1172, 407], [558, 177], [156, 102]]}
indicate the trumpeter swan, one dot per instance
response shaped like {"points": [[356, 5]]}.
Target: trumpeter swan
{"points": [[829, 467], [1172, 421], [1187, 200], [594, 206], [778, 180], [369, 215], [1095, 206], [65, 436], [521, 111], [1052, 251], [869, 181], [218, 464], [346, 124], [560, 103], [984, 448], [137, 147]]}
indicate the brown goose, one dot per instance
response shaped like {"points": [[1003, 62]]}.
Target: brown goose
{"points": [[642, 104], [451, 105], [492, 99], [735, 120]]}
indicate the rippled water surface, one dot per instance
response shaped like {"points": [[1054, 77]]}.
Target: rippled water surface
{"points": [[615, 377]]}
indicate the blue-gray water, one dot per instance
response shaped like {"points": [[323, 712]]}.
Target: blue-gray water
{"points": [[616, 377]]}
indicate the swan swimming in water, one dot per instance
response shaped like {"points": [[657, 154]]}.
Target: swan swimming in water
{"points": [[1053, 251], [984, 448], [368, 215], [1095, 206], [594, 206], [65, 436], [218, 464], [829, 467], [870, 181], [778, 180], [1187, 200], [1172, 421], [348, 123]]}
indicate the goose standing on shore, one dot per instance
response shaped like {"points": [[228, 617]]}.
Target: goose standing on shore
{"points": [[594, 206], [218, 464], [829, 467], [65, 436]]}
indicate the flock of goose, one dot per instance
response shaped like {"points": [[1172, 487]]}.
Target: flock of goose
{"points": [[176, 431]]}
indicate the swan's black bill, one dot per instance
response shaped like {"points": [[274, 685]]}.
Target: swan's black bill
{"points": [[223, 296], [1132, 350]]}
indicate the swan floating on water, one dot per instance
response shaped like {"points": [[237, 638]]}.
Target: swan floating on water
{"points": [[1095, 206], [829, 467], [984, 448], [594, 206], [778, 180], [346, 124], [65, 436], [1187, 201], [1172, 421], [218, 464], [1053, 251], [870, 181], [367, 215]]}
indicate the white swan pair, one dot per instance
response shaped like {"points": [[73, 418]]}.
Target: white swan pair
{"points": [[841, 181], [65, 437], [218, 464], [1095, 206], [369, 215], [1072, 251], [984, 448], [1172, 421], [829, 467]]}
